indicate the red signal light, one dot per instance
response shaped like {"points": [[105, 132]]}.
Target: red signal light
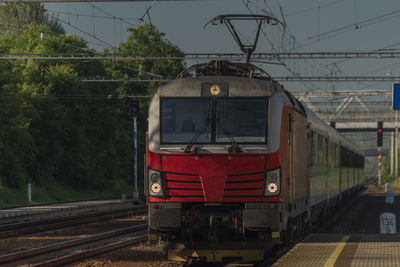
{"points": [[380, 134]]}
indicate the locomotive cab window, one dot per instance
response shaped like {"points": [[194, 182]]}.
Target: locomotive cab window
{"points": [[182, 118], [213, 120], [241, 119]]}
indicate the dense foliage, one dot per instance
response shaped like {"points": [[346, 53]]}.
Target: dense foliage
{"points": [[17, 17], [57, 130]]}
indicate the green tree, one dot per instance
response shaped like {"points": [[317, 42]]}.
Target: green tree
{"points": [[17, 17], [146, 40], [56, 129]]}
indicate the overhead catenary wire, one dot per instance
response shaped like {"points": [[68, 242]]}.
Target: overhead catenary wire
{"points": [[294, 39], [369, 21], [83, 31], [77, 96], [356, 25], [277, 78], [277, 56], [313, 8], [293, 72], [111, 17]]}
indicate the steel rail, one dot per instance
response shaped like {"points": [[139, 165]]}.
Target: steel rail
{"points": [[68, 244], [94, 252], [57, 202], [15, 229]]}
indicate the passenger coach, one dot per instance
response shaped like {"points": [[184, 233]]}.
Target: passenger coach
{"points": [[236, 164]]}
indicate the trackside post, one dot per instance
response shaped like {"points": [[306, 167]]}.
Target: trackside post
{"points": [[135, 113]]}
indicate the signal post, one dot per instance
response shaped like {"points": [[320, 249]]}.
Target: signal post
{"points": [[379, 143]]}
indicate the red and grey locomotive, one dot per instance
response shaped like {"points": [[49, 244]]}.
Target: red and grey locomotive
{"points": [[236, 164]]}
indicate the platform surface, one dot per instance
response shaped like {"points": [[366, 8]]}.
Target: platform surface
{"points": [[344, 250]]}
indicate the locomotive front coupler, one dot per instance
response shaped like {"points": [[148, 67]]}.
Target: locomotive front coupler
{"points": [[214, 221]]}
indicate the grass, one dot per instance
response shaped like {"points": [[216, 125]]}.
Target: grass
{"points": [[58, 193], [11, 197], [396, 183]]}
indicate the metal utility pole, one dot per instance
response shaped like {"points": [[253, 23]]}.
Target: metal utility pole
{"points": [[135, 112], [136, 193], [391, 153]]}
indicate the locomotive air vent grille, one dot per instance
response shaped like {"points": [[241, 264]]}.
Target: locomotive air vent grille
{"points": [[248, 185], [180, 185]]}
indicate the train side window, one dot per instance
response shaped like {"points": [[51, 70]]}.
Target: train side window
{"points": [[337, 158], [313, 156]]}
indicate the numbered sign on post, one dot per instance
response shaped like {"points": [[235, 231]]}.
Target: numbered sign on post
{"points": [[388, 223]]}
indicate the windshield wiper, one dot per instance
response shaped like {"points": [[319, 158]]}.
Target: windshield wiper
{"points": [[233, 141], [234, 145], [196, 136]]}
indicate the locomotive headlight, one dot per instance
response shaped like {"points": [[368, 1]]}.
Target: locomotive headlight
{"points": [[272, 188], [156, 188], [155, 183], [273, 182], [215, 90]]}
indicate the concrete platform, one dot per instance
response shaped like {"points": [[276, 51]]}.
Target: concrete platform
{"points": [[344, 250], [35, 212]]}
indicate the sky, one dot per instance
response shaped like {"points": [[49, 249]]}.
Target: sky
{"points": [[367, 25], [316, 25]]}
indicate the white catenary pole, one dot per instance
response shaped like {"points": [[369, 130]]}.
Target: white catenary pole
{"points": [[379, 166], [391, 153]]}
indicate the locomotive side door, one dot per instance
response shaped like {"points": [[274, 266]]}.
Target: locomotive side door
{"points": [[299, 152]]}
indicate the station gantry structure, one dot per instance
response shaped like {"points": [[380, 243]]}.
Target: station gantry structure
{"points": [[355, 114]]}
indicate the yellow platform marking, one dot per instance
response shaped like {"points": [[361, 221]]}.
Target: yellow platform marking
{"points": [[152, 237], [335, 254], [215, 255]]}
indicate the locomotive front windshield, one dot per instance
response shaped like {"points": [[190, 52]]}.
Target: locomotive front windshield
{"points": [[181, 119], [213, 120], [241, 119]]}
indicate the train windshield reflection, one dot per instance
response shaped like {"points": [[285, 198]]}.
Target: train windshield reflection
{"points": [[182, 119], [242, 119], [213, 120]]}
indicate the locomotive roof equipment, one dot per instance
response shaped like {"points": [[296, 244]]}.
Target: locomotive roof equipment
{"points": [[247, 48]]}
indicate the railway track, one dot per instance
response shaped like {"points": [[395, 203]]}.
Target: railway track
{"points": [[78, 236], [104, 242], [17, 229]]}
